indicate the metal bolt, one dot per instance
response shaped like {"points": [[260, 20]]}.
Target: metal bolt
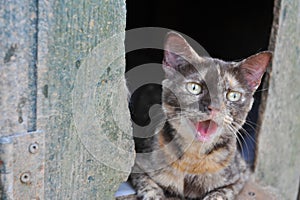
{"points": [[252, 194], [33, 148], [25, 177]]}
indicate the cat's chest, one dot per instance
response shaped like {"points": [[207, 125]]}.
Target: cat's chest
{"points": [[192, 162], [192, 173], [185, 184]]}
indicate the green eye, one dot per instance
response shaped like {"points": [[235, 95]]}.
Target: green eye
{"points": [[194, 88], [233, 96]]}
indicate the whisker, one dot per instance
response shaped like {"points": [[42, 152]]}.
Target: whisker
{"points": [[246, 144], [251, 125], [235, 128], [244, 131], [252, 147], [261, 90], [234, 131]]}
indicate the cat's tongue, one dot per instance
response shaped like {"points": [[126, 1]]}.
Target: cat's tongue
{"points": [[205, 129]]}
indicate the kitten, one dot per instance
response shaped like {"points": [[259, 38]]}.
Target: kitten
{"points": [[194, 154]]}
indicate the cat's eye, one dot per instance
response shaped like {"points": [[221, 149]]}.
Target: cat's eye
{"points": [[233, 96], [194, 88]]}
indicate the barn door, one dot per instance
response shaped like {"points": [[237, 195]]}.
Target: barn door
{"points": [[21, 144], [65, 129]]}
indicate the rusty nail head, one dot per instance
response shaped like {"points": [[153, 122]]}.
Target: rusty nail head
{"points": [[25, 177], [33, 148]]}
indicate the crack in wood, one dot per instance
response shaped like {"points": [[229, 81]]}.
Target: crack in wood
{"points": [[32, 71]]}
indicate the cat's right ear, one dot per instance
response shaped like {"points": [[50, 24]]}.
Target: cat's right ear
{"points": [[253, 68], [177, 52]]}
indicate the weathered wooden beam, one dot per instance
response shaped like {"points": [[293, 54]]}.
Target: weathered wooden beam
{"points": [[278, 153], [62, 67], [82, 100], [18, 24]]}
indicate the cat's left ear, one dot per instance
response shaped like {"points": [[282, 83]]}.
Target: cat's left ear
{"points": [[254, 67], [177, 52]]}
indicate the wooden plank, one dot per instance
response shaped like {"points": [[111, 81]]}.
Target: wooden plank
{"points": [[278, 152], [82, 99], [17, 66]]}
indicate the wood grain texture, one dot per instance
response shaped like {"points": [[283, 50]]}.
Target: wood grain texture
{"points": [[82, 98], [17, 66], [278, 151]]}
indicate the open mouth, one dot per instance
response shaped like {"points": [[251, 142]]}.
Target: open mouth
{"points": [[205, 129]]}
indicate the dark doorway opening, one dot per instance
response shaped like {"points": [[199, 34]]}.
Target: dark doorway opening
{"points": [[229, 30]]}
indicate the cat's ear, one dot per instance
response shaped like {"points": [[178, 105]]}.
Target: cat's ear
{"points": [[177, 52], [254, 67]]}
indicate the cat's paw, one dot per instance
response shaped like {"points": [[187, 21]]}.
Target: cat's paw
{"points": [[152, 196], [215, 196]]}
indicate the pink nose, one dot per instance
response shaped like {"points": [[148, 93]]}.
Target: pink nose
{"points": [[213, 110]]}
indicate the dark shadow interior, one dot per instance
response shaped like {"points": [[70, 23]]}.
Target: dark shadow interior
{"points": [[230, 30]]}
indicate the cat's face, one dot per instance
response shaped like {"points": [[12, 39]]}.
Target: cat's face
{"points": [[204, 98]]}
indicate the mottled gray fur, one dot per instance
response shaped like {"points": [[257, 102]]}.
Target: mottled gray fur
{"points": [[173, 163]]}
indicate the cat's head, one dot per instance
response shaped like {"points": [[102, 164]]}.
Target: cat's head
{"points": [[204, 97]]}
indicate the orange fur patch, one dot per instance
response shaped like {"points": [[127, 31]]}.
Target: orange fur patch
{"points": [[161, 141], [193, 163], [233, 82]]}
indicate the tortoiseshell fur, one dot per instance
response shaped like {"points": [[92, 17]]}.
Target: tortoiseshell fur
{"points": [[172, 164]]}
